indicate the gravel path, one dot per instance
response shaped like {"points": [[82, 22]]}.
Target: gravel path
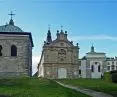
{"points": [[85, 91]]}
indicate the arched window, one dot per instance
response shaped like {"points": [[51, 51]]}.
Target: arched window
{"points": [[0, 50], [99, 68], [13, 50], [92, 68]]}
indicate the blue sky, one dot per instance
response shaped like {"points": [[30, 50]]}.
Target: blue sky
{"points": [[86, 21]]}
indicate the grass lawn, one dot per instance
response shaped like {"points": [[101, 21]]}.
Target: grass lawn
{"points": [[35, 87], [95, 84]]}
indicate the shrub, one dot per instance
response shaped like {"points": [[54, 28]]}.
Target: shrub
{"points": [[114, 77], [114, 71], [107, 77]]}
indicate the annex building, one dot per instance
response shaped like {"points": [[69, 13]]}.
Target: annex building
{"points": [[94, 64]]}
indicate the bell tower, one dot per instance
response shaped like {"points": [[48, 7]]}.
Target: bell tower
{"points": [[49, 38]]}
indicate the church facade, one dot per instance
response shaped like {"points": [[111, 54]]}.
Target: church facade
{"points": [[59, 58], [15, 51]]}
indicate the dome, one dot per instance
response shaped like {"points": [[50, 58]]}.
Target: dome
{"points": [[10, 27]]}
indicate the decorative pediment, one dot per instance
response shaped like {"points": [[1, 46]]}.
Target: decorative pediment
{"points": [[61, 43]]}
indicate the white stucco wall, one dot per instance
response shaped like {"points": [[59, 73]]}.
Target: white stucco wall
{"points": [[83, 68], [17, 65], [95, 55], [96, 74]]}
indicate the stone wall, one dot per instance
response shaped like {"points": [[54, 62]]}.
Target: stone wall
{"points": [[51, 70], [60, 54], [52, 62], [20, 64]]}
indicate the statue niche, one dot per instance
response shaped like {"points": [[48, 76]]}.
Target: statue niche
{"points": [[62, 55]]}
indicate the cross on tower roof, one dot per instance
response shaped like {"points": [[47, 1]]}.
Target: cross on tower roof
{"points": [[11, 14], [61, 27], [11, 21], [49, 27]]}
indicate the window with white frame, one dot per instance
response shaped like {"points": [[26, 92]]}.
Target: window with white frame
{"points": [[113, 63], [108, 63], [112, 67], [108, 68]]}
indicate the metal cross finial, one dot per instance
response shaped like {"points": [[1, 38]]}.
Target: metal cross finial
{"points": [[49, 27], [61, 27], [11, 14]]}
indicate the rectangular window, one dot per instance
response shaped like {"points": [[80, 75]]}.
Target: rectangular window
{"points": [[113, 63], [79, 71], [0, 50], [108, 63], [108, 67], [92, 68], [99, 69], [113, 67]]}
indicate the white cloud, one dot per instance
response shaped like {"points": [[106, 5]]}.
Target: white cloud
{"points": [[93, 37], [35, 61]]}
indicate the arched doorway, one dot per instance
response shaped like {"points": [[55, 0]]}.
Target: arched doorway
{"points": [[62, 73]]}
